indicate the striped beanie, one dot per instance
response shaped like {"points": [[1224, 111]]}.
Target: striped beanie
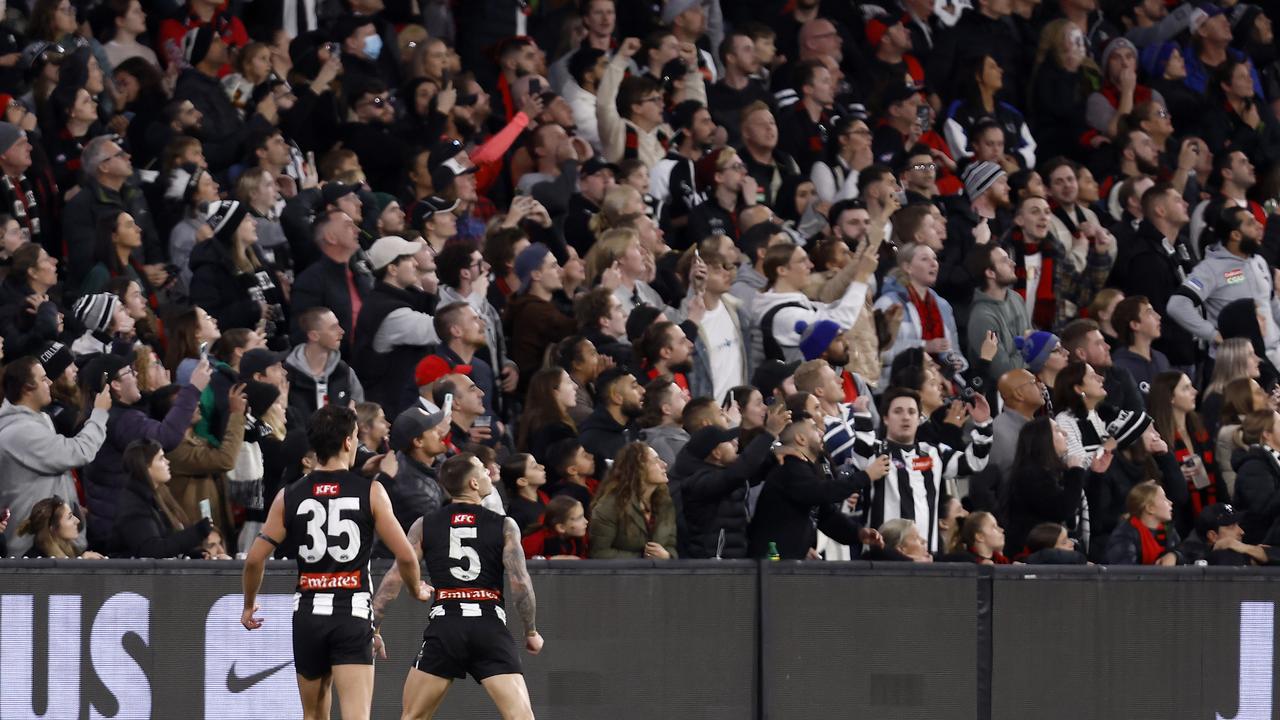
{"points": [[225, 216], [183, 181], [979, 177], [96, 310]]}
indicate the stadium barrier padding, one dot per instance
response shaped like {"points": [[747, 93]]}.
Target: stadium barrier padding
{"points": [[732, 640]]}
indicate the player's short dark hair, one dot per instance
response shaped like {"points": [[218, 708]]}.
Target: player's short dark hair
{"points": [[455, 472], [328, 428]]}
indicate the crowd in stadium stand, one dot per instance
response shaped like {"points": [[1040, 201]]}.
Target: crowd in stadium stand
{"points": [[980, 281]]}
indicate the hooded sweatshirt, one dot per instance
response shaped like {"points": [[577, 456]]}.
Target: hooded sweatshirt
{"points": [[1217, 281], [666, 440], [36, 462], [1008, 319], [309, 392]]}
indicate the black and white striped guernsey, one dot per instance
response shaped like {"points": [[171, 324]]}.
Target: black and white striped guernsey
{"points": [[919, 475], [462, 547], [329, 531]]}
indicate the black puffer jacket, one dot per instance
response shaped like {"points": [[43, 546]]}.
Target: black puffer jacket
{"points": [[1257, 493], [714, 498], [794, 494], [142, 531], [226, 293]]}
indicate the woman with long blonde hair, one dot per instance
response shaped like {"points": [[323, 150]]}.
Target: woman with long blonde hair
{"points": [[1236, 359]]}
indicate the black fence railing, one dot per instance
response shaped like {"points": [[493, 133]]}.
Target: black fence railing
{"points": [[732, 640]]}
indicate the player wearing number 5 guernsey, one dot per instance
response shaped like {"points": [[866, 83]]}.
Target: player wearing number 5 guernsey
{"points": [[467, 548], [327, 521]]}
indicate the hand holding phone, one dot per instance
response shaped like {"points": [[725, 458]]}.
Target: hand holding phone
{"points": [[448, 404]]}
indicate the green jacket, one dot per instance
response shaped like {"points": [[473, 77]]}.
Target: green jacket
{"points": [[618, 532]]}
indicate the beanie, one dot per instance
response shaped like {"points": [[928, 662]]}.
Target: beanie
{"points": [[1036, 348], [196, 44], [225, 216], [10, 134], [96, 310], [1113, 45], [816, 337], [979, 177]]}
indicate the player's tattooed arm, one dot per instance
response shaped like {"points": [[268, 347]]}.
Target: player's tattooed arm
{"points": [[520, 585], [389, 589]]}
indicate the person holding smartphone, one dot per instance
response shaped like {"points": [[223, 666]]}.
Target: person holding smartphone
{"points": [[35, 461]]}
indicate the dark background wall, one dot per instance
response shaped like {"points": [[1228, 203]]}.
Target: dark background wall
{"points": [[732, 640]]}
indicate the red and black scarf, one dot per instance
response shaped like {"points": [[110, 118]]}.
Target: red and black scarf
{"points": [[1201, 498], [931, 325], [1153, 542], [1044, 310]]}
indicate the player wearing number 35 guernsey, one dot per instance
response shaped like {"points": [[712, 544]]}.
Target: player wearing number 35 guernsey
{"points": [[327, 521], [467, 548]]}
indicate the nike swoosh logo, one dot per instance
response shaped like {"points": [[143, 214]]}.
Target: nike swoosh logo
{"points": [[237, 684]]}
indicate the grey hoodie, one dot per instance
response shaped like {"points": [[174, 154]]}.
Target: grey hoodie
{"points": [[296, 362], [667, 440], [1008, 319], [36, 463]]}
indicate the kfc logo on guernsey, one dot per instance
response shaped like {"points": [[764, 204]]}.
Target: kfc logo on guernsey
{"points": [[463, 519], [325, 489]]}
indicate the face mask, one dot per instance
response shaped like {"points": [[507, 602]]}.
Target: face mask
{"points": [[373, 46]]}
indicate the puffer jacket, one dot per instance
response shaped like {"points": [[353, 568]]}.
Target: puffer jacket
{"points": [[105, 478], [714, 499], [1257, 492]]}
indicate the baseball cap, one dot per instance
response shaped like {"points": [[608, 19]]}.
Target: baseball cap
{"points": [[108, 364], [771, 374], [709, 438], [411, 424], [332, 191], [433, 367], [385, 250], [897, 93], [595, 164], [427, 207], [445, 165], [258, 360], [1214, 517]]}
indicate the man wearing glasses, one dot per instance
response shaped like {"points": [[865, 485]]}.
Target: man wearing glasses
{"points": [[104, 477], [630, 109], [381, 151]]}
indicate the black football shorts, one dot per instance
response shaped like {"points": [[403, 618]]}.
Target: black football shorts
{"points": [[320, 642], [454, 646]]}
